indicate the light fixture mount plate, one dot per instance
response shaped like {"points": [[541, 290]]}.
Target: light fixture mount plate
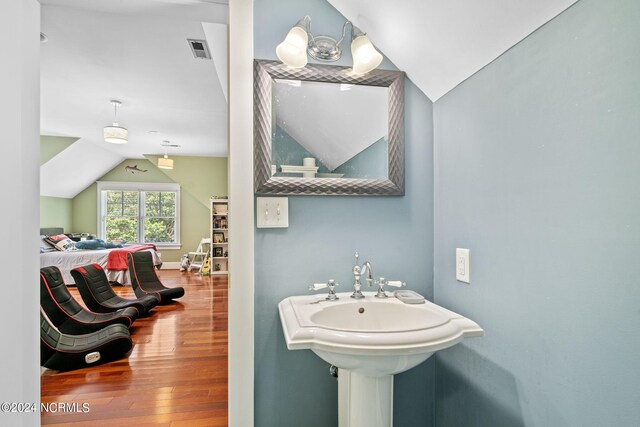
{"points": [[324, 48]]}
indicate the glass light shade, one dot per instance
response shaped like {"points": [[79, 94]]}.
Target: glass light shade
{"points": [[116, 134], [165, 162], [293, 50], [365, 56]]}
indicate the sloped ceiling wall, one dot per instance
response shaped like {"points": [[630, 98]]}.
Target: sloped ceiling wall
{"points": [[440, 43], [51, 146], [73, 169]]}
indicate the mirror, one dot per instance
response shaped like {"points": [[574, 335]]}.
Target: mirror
{"points": [[322, 130]]}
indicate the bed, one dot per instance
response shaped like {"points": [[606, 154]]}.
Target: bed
{"points": [[68, 260]]}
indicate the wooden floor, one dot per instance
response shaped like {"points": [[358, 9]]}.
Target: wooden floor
{"points": [[175, 375]]}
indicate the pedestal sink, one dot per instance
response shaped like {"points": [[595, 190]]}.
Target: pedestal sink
{"points": [[370, 340]]}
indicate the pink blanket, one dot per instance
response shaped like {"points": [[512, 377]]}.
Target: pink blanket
{"points": [[118, 257]]}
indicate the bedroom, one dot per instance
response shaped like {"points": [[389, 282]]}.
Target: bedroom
{"points": [[172, 104]]}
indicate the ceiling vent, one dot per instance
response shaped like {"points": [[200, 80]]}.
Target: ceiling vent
{"points": [[199, 48]]}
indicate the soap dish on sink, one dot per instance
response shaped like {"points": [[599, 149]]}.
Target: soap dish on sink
{"points": [[409, 297]]}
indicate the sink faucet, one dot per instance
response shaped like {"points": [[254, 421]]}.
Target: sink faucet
{"points": [[360, 271]]}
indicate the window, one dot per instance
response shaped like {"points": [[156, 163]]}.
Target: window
{"points": [[139, 212]]}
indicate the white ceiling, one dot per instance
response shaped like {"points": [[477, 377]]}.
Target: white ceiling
{"points": [[194, 10], [135, 52], [440, 43], [75, 168]]}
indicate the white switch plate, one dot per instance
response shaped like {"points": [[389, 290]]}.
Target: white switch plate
{"points": [[272, 212], [462, 265]]}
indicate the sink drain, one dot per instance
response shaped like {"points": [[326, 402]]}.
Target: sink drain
{"points": [[361, 310]]}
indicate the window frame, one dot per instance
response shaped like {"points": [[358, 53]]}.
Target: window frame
{"points": [[140, 187]]}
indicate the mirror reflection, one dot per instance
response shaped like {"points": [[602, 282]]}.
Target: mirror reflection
{"points": [[329, 130]]}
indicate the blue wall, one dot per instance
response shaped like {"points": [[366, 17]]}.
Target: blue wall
{"points": [[537, 161], [293, 388], [369, 163]]}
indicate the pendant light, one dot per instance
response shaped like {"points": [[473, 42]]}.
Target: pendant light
{"points": [[165, 162], [116, 134]]}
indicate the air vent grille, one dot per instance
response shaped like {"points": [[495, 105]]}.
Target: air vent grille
{"points": [[199, 48]]}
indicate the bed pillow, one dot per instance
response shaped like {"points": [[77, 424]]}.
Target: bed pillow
{"points": [[45, 246], [61, 242], [90, 244], [96, 244]]}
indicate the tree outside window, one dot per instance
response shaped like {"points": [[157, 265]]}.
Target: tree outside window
{"points": [[145, 216]]}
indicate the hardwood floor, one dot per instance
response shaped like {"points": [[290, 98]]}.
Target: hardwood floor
{"points": [[175, 375]]}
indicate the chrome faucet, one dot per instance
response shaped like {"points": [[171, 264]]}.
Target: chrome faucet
{"points": [[360, 271]]}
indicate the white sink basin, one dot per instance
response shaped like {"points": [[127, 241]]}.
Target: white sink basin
{"points": [[377, 316], [370, 340], [373, 336]]}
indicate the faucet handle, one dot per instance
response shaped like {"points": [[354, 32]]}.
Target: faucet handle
{"points": [[317, 286], [331, 284]]}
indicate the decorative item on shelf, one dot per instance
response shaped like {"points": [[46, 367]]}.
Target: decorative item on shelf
{"points": [[306, 171], [220, 208], [217, 252], [226, 254], [217, 267], [223, 222], [300, 42], [216, 223], [115, 133], [218, 237]]}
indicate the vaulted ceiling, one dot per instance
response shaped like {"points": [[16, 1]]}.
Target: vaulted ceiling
{"points": [[135, 52], [440, 43]]}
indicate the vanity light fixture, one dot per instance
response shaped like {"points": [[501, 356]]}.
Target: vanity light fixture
{"points": [[116, 134], [300, 42]]}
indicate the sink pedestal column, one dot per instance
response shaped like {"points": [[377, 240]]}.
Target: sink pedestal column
{"points": [[364, 401]]}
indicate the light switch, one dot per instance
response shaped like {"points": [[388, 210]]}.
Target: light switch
{"points": [[462, 265], [272, 212]]}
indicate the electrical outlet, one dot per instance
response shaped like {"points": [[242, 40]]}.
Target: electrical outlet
{"points": [[462, 265]]}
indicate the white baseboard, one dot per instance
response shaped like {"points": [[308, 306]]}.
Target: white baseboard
{"points": [[173, 265]]}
